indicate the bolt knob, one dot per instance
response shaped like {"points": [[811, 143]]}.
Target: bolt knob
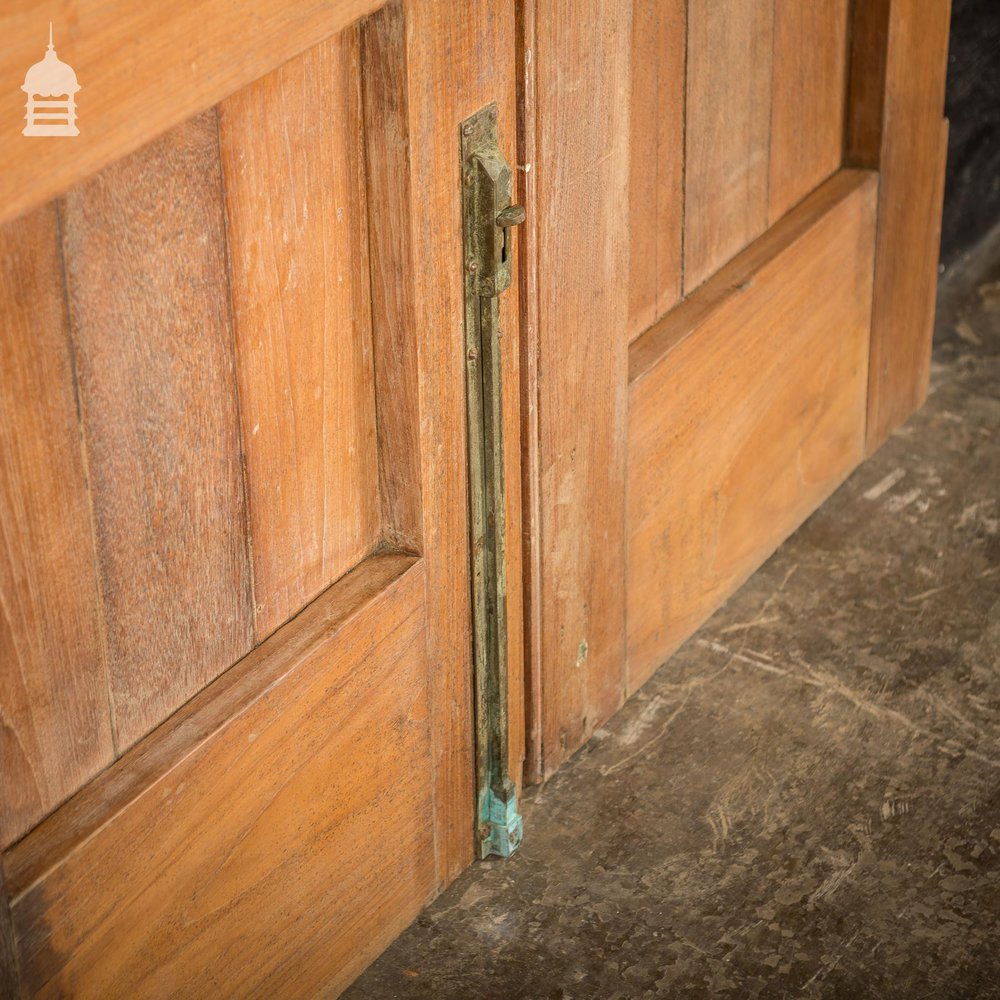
{"points": [[512, 215]]}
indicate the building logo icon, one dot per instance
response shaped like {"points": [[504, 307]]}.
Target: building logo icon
{"points": [[51, 78]]}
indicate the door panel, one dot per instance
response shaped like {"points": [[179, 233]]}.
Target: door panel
{"points": [[145, 266], [727, 134], [696, 459], [261, 835], [656, 171], [292, 151], [746, 410], [266, 313], [55, 729], [808, 99]]}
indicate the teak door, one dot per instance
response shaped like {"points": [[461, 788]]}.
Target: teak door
{"points": [[236, 722], [730, 272]]}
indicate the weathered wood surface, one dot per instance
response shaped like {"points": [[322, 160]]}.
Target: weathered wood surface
{"points": [[292, 148], [908, 137], [149, 306], [269, 839], [453, 70], [809, 86], [729, 48], [143, 69], [582, 164], [55, 723], [656, 173], [387, 160], [747, 408]]}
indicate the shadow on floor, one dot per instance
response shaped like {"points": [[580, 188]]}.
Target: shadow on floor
{"points": [[805, 801]]}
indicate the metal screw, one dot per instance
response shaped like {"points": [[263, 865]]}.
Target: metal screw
{"points": [[471, 266], [473, 354], [484, 832], [467, 129]]}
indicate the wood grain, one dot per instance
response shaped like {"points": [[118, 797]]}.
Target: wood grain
{"points": [[869, 32], [808, 97], [142, 73], [728, 131], [582, 160], [387, 159], [748, 415], [656, 173], [55, 722], [526, 260], [10, 973], [292, 150], [146, 273], [911, 158], [269, 841], [452, 71]]}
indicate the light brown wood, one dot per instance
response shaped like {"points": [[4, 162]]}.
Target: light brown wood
{"points": [[527, 275], [911, 165], [582, 165], [387, 160], [55, 722], [809, 91], [450, 78], [284, 813], [142, 70], [656, 178], [293, 170], [513, 505], [748, 416], [727, 131], [282, 825], [149, 308]]}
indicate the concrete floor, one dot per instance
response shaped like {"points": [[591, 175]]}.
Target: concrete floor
{"points": [[805, 801]]}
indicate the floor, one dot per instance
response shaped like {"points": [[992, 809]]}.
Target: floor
{"points": [[805, 801]]}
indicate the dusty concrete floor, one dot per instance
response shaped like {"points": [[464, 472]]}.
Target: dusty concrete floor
{"points": [[805, 801]]}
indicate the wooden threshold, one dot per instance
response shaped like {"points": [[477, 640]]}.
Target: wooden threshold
{"points": [[287, 809]]}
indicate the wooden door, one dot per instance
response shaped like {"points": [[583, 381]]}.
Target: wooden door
{"points": [[236, 751], [735, 214]]}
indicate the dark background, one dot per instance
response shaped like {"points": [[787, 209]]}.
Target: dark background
{"points": [[972, 187]]}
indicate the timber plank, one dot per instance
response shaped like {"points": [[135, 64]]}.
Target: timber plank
{"points": [[527, 277], [582, 163], [656, 178], [869, 32], [146, 274], [729, 46], [293, 169], [452, 71], [55, 721], [142, 73], [748, 412], [284, 813], [809, 92], [387, 159], [910, 163]]}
